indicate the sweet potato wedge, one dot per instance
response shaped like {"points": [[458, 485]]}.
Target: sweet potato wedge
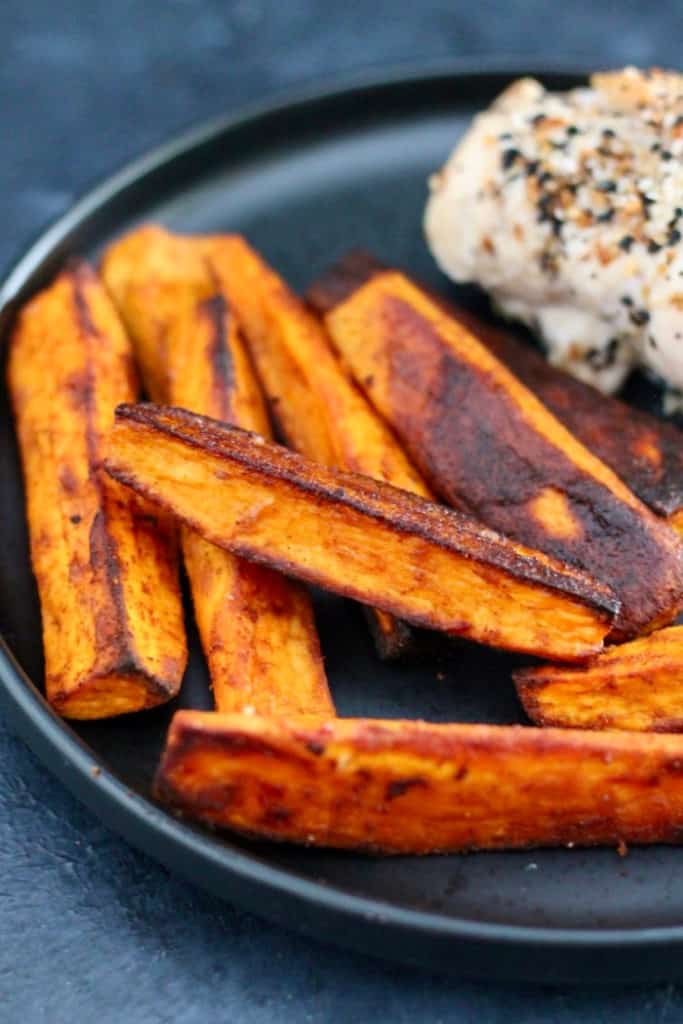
{"points": [[334, 424], [488, 446], [104, 561], [643, 450], [413, 787], [256, 627], [636, 686], [358, 537]]}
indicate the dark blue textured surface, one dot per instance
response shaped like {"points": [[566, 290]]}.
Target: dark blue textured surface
{"points": [[89, 929]]}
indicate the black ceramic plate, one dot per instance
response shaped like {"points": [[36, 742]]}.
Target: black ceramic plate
{"points": [[306, 181]]}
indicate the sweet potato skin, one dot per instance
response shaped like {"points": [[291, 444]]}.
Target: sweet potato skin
{"points": [[331, 422], [256, 627], [103, 560], [636, 686], [356, 536], [408, 787], [489, 447]]}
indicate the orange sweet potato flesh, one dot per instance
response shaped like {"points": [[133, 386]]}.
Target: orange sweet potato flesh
{"points": [[256, 626], [412, 787], [104, 561], [356, 536], [320, 411], [488, 446], [636, 686]]}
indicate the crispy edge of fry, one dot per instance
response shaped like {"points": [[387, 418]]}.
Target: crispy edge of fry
{"points": [[636, 686], [359, 537], [103, 561], [570, 504], [416, 787], [257, 628], [335, 425]]}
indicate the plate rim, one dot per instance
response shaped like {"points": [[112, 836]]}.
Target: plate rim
{"points": [[139, 820]]}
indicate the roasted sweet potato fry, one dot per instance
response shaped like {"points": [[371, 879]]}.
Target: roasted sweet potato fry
{"points": [[106, 571], [356, 536], [644, 451], [334, 424], [256, 627], [153, 277], [489, 447], [414, 787], [636, 686]]}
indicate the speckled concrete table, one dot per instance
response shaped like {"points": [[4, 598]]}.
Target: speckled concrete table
{"points": [[89, 929]]}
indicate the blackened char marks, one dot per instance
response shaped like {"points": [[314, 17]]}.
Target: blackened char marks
{"points": [[644, 451], [215, 310], [471, 441]]}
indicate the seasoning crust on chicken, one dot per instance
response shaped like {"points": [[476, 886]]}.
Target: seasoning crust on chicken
{"points": [[568, 209]]}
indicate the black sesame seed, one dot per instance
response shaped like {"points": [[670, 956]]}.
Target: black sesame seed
{"points": [[607, 186], [673, 237], [604, 218], [537, 119], [508, 157], [532, 166], [639, 317], [655, 147], [601, 359], [626, 300], [667, 154], [572, 129], [678, 121], [626, 242], [609, 133], [654, 247]]}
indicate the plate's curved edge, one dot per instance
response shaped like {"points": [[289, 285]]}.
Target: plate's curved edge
{"points": [[146, 825]]}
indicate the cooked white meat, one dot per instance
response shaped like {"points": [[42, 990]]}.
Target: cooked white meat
{"points": [[568, 209]]}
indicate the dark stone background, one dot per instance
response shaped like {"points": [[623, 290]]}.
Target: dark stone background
{"points": [[89, 929]]}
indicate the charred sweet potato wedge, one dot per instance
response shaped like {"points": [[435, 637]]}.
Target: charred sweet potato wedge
{"points": [[104, 561], [488, 446], [637, 686], [334, 423], [358, 537], [256, 627], [643, 450], [413, 787]]}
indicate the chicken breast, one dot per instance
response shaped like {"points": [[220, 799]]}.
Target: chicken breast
{"points": [[568, 209]]}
